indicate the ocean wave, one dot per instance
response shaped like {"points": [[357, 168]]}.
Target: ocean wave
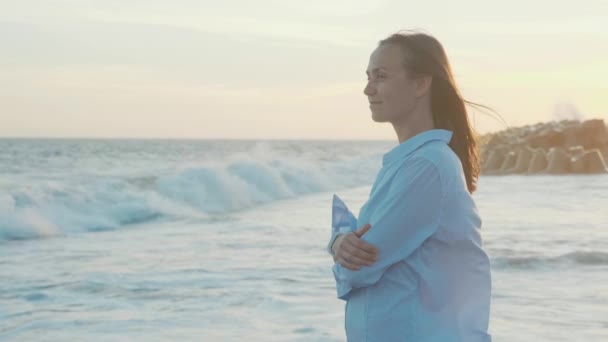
{"points": [[587, 258], [193, 191]]}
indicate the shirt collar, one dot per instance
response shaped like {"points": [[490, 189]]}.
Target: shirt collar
{"points": [[413, 143]]}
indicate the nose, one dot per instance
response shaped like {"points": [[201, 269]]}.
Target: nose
{"points": [[369, 89]]}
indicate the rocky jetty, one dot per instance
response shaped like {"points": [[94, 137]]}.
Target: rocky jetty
{"points": [[557, 147]]}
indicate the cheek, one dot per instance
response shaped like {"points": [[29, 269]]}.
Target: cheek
{"points": [[393, 87], [397, 96], [400, 95]]}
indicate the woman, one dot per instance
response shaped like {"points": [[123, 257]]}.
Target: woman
{"points": [[416, 270]]}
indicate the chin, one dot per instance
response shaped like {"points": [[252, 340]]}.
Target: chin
{"points": [[377, 117]]}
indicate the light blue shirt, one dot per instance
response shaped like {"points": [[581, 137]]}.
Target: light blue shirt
{"points": [[432, 280]]}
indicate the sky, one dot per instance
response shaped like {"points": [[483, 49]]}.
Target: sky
{"points": [[282, 69]]}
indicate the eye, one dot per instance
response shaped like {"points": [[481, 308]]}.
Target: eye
{"points": [[376, 76]]}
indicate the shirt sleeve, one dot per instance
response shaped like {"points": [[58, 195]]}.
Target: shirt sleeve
{"points": [[407, 216]]}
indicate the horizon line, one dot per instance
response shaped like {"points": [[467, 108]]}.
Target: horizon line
{"points": [[188, 138]]}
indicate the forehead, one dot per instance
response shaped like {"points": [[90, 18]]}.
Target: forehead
{"points": [[388, 57]]}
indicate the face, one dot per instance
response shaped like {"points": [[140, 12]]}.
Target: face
{"points": [[390, 91]]}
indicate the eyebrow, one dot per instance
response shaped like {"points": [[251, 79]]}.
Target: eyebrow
{"points": [[375, 70]]}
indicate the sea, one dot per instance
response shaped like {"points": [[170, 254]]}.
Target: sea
{"points": [[224, 240]]}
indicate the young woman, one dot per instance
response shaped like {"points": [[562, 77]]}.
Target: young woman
{"points": [[415, 270]]}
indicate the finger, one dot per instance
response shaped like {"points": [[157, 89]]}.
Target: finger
{"points": [[359, 232], [352, 248], [366, 256], [350, 254], [366, 246], [347, 264], [360, 244], [354, 259]]}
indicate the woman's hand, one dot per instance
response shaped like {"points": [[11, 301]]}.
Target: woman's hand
{"points": [[352, 252]]}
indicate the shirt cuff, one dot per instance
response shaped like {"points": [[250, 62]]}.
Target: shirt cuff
{"points": [[342, 287], [334, 235]]}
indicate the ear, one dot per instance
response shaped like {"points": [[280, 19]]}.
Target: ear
{"points": [[423, 85]]}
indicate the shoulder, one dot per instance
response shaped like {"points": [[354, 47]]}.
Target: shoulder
{"points": [[439, 153], [443, 159]]}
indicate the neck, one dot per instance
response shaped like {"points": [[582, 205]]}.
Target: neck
{"points": [[418, 121]]}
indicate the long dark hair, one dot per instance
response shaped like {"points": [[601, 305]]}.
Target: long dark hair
{"points": [[425, 56]]}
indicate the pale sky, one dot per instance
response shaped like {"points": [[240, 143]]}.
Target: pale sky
{"points": [[281, 69]]}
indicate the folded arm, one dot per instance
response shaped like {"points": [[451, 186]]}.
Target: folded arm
{"points": [[408, 215]]}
